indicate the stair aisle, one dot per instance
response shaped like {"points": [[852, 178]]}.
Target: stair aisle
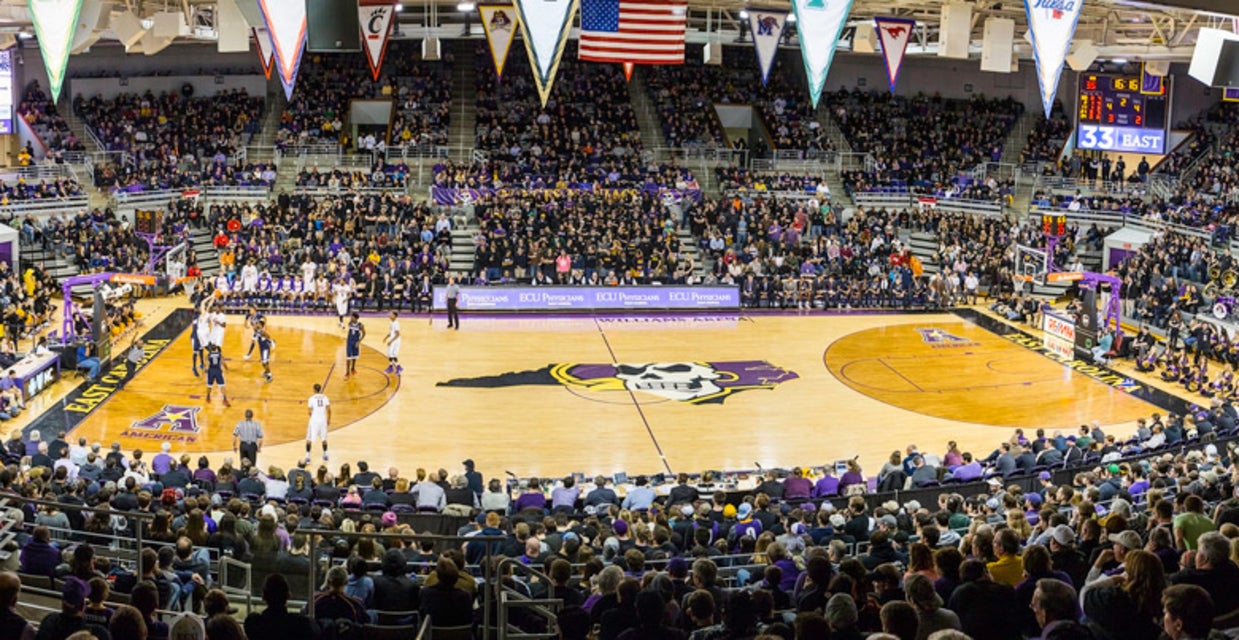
{"points": [[464, 104], [647, 114]]}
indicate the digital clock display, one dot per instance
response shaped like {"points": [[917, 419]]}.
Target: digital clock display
{"points": [[1123, 113]]}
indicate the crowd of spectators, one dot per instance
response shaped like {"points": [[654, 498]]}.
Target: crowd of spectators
{"points": [[40, 112], [41, 189], [685, 95], [420, 92], [381, 176], [175, 140], [586, 238], [921, 143], [1048, 137], [1075, 532], [586, 133], [288, 253]]}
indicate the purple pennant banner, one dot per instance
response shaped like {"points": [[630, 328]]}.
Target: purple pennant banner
{"points": [[529, 298], [448, 196]]}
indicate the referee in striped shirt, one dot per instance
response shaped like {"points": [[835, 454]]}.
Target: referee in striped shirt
{"points": [[249, 436]]}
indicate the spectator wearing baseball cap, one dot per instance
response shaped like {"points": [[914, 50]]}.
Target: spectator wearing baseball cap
{"points": [[64, 623], [1065, 557], [1110, 561]]}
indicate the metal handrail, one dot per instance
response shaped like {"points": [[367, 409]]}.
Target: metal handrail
{"points": [[423, 632], [510, 598], [225, 584]]}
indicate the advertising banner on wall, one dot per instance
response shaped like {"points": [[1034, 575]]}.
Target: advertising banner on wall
{"points": [[530, 298]]}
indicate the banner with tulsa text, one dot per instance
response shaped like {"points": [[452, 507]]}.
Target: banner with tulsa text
{"points": [[1051, 25], [531, 298], [499, 23], [819, 24], [376, 18], [767, 30], [55, 21], [894, 34], [545, 24]]}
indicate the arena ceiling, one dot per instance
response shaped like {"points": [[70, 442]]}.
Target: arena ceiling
{"points": [[1120, 28]]}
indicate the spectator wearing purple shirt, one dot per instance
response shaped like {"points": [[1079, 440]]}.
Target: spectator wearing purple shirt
{"points": [[827, 485], [162, 461], [970, 470], [796, 486], [853, 476], [533, 498], [564, 496]]}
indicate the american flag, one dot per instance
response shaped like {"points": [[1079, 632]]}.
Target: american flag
{"points": [[645, 32]]}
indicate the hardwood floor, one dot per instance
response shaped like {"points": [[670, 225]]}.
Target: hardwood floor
{"points": [[642, 394]]}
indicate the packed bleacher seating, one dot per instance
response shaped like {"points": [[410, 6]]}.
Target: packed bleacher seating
{"points": [[38, 110], [420, 92], [174, 140], [590, 238], [684, 96], [1049, 518], [381, 176], [1048, 137], [923, 143], [736, 177], [39, 189], [287, 255], [587, 132]]}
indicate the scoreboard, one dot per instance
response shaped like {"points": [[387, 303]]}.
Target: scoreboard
{"points": [[1128, 113]]}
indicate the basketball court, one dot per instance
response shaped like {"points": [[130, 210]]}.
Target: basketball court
{"points": [[638, 393]]}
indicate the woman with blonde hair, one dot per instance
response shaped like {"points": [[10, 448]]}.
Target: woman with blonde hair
{"points": [[1018, 521]]}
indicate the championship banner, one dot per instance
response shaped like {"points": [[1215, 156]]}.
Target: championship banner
{"points": [[266, 54], [285, 21], [55, 22], [1051, 25], [819, 23], [545, 25], [499, 23], [767, 30], [894, 33], [628, 67]]}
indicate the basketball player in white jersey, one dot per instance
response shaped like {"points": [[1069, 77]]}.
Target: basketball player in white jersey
{"points": [[249, 277], [393, 346], [217, 328], [320, 418], [341, 291], [202, 336], [307, 274]]}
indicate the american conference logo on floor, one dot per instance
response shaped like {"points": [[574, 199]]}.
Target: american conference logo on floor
{"points": [[938, 338], [691, 382], [174, 422]]}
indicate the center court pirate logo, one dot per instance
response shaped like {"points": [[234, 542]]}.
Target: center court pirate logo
{"points": [[940, 338], [177, 418], [691, 382]]}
